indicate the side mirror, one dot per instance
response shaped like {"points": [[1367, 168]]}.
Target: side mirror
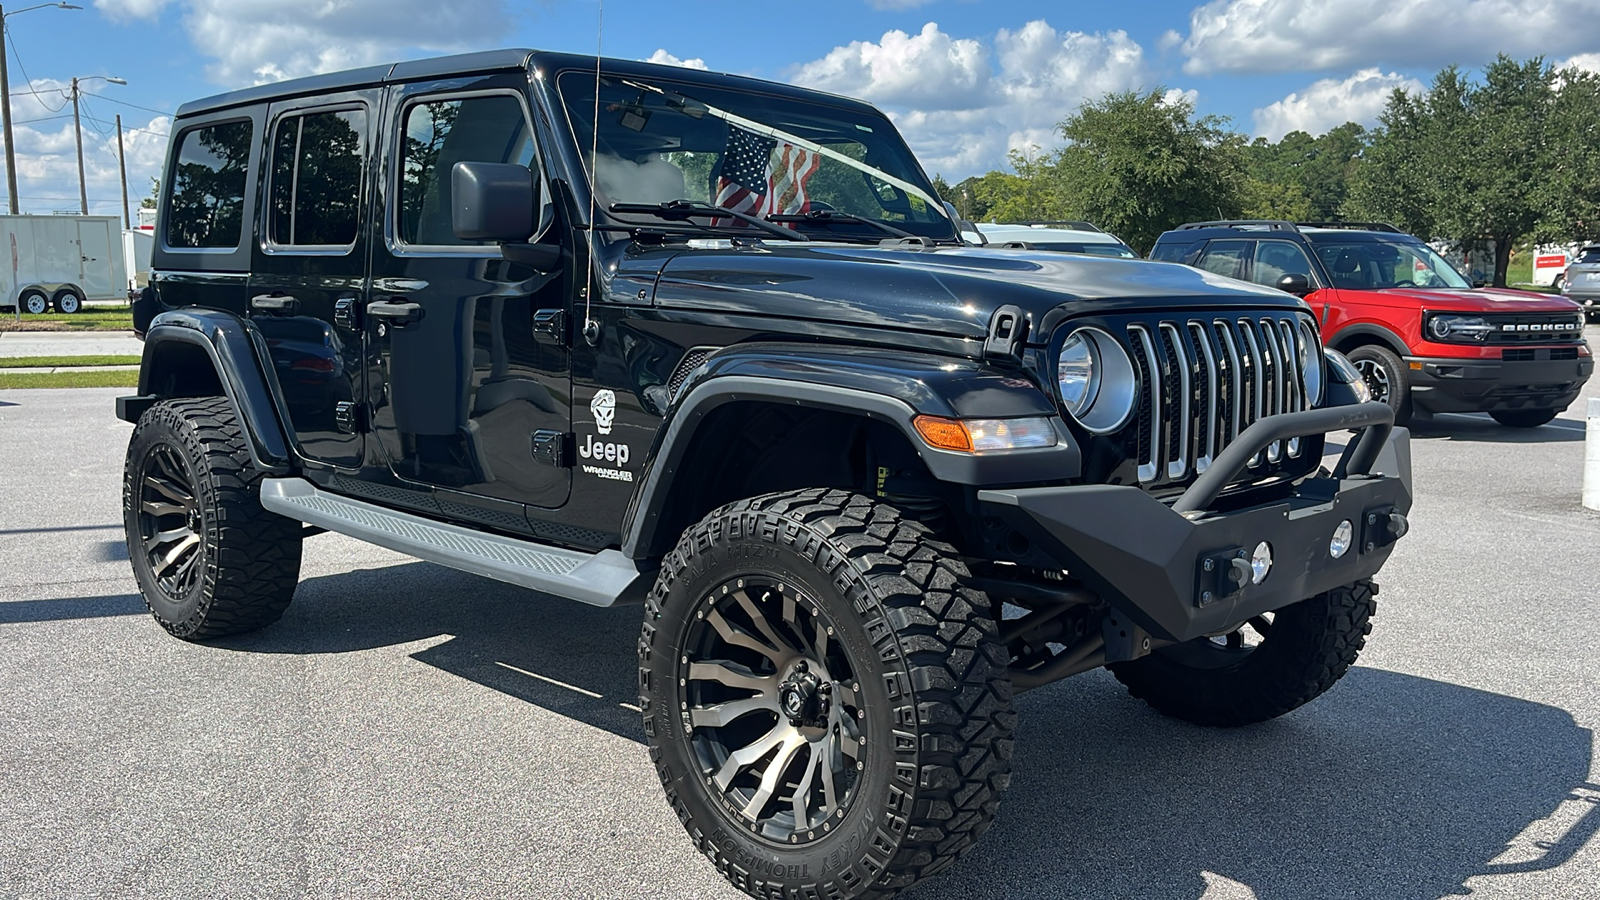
{"points": [[1294, 283], [493, 201]]}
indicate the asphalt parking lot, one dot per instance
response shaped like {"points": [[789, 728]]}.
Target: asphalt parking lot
{"points": [[410, 731]]}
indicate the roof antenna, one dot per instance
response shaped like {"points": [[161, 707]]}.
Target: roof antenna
{"points": [[591, 328]]}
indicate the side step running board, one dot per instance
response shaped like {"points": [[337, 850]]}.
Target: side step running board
{"points": [[599, 579]]}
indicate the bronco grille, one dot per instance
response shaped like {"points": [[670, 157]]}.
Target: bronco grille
{"points": [[1203, 381]]}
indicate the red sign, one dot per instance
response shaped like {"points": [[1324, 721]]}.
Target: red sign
{"points": [[1549, 262]]}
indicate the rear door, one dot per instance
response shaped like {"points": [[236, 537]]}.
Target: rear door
{"points": [[309, 274], [476, 393]]}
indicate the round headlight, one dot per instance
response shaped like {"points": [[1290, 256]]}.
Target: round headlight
{"points": [[1096, 380], [1311, 363], [1077, 372]]}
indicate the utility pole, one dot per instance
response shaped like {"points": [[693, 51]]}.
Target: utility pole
{"points": [[77, 131], [5, 99], [122, 166], [5, 107]]}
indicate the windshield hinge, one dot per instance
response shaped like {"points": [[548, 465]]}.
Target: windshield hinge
{"points": [[1008, 332]]}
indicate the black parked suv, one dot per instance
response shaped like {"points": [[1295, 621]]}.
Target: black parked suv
{"points": [[709, 344]]}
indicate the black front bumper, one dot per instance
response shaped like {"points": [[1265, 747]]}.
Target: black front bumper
{"points": [[1170, 571], [1486, 385]]}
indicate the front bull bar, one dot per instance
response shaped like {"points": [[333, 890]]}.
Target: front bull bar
{"points": [[1167, 567]]}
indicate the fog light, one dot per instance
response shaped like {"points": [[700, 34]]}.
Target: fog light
{"points": [[1343, 534], [1260, 563]]}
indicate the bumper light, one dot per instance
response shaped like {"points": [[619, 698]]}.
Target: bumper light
{"points": [[986, 435], [1343, 534], [1260, 563]]}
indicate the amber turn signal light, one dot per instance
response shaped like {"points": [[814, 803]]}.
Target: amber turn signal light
{"points": [[945, 434]]}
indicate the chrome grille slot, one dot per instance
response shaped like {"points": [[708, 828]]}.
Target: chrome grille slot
{"points": [[1203, 382]]}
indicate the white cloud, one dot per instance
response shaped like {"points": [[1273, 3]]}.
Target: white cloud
{"points": [[963, 103], [254, 41], [1330, 103], [124, 10], [1586, 61], [1311, 35], [667, 59]]}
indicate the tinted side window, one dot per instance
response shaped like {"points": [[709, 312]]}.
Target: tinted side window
{"points": [[208, 181], [1275, 259], [1174, 251], [316, 178], [1225, 257], [442, 133]]}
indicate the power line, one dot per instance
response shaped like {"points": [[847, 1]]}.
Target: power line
{"points": [[18, 57], [159, 112]]}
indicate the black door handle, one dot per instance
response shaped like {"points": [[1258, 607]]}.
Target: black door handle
{"points": [[395, 313], [274, 303]]}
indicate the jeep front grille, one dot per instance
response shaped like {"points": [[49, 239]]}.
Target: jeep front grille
{"points": [[1203, 381]]}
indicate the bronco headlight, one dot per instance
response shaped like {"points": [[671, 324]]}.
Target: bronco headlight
{"points": [[1096, 380], [1458, 329], [1311, 363]]}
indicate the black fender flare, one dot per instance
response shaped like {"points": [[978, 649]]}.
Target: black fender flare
{"points": [[235, 350], [893, 387], [1385, 336]]}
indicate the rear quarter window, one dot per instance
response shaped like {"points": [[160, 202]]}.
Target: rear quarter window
{"points": [[206, 207]]}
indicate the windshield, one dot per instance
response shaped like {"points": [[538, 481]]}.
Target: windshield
{"points": [[768, 156], [1374, 265]]}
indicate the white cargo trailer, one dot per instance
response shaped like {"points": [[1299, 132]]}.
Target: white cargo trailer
{"points": [[61, 262]]}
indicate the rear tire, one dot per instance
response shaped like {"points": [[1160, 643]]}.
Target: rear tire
{"points": [[1523, 418], [209, 559], [1307, 648], [68, 301], [898, 771], [1387, 378], [34, 302]]}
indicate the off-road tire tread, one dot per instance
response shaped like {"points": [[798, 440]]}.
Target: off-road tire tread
{"points": [[1313, 644], [254, 555], [948, 639]]}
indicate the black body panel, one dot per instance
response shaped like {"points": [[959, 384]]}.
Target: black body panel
{"points": [[1483, 385]]}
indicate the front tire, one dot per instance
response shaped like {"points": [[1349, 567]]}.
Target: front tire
{"points": [[68, 302], [1523, 418], [34, 303], [210, 561], [1300, 652], [1387, 378], [826, 704]]}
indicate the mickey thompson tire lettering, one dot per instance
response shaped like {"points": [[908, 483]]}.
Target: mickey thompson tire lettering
{"points": [[936, 700]]}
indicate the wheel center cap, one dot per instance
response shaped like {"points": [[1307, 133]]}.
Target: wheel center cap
{"points": [[805, 698]]}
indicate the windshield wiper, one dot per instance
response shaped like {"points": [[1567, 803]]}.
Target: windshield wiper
{"points": [[682, 210], [833, 215]]}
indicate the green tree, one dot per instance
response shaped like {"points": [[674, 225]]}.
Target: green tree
{"points": [[1568, 189], [1139, 164], [1465, 161]]}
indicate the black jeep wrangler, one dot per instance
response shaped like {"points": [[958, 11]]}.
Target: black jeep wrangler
{"points": [[628, 333]]}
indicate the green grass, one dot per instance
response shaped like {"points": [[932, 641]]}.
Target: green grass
{"points": [[1520, 269], [115, 378], [42, 362], [93, 318]]}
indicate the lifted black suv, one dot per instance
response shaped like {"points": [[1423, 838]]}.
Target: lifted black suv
{"points": [[726, 355]]}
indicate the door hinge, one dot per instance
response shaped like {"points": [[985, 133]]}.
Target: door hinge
{"points": [[554, 448], [349, 417]]}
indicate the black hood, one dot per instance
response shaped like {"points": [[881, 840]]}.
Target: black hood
{"points": [[948, 291]]}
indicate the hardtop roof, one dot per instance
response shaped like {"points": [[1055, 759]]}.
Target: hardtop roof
{"points": [[488, 61]]}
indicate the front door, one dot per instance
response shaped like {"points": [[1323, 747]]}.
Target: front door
{"points": [[308, 276], [477, 388]]}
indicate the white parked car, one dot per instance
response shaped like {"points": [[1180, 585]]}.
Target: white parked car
{"points": [[1065, 237]]}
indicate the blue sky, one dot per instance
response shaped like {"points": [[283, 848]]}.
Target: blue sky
{"points": [[966, 81]]}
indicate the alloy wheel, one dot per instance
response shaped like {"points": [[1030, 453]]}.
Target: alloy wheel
{"points": [[772, 709], [1376, 377], [170, 522]]}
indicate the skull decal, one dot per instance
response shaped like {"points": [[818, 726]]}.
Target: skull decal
{"points": [[604, 407]]}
